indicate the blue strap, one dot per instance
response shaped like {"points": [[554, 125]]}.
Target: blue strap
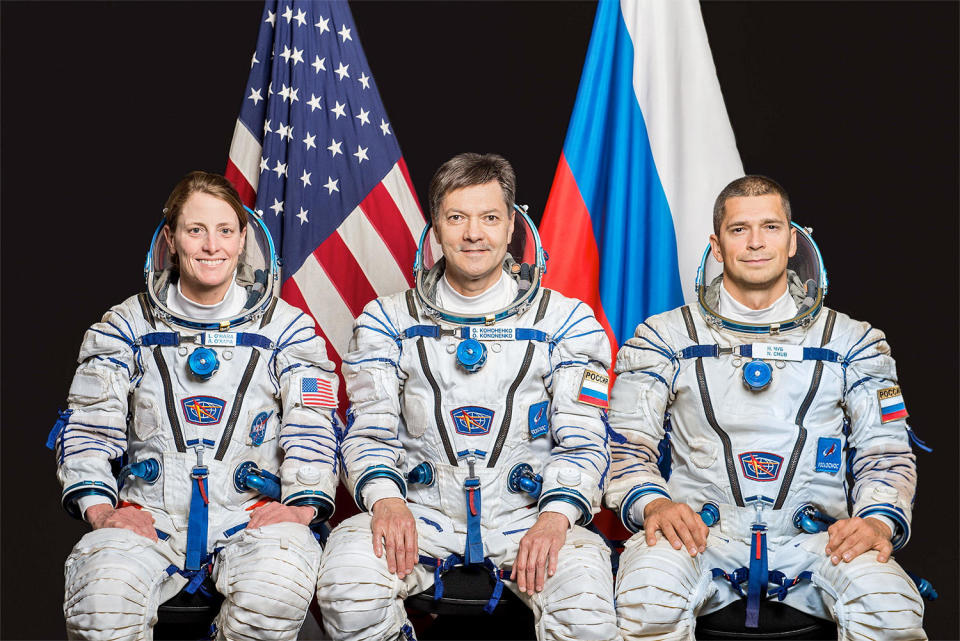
{"points": [[197, 521], [497, 586], [246, 339], [700, 351], [758, 575], [474, 551], [164, 339], [235, 529], [784, 584], [527, 334], [429, 331], [58, 427], [736, 578]]}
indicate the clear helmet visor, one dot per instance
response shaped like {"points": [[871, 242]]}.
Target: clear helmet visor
{"points": [[524, 262], [806, 283], [257, 273]]}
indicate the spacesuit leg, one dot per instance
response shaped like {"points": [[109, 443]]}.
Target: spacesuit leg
{"points": [[359, 597], [868, 599], [661, 590], [115, 580], [267, 577], [577, 601]]}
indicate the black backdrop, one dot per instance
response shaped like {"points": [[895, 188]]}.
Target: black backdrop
{"points": [[852, 106]]}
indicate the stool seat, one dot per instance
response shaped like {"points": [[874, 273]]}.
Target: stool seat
{"points": [[188, 616], [777, 621]]}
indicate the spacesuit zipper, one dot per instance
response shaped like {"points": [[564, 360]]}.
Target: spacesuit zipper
{"points": [[711, 417], [802, 414], [527, 358], [168, 400], [237, 402]]}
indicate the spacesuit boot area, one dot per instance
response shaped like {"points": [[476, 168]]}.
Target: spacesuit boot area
{"points": [[756, 413], [456, 395], [210, 400]]}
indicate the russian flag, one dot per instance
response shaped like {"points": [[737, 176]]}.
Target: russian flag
{"points": [[648, 148]]}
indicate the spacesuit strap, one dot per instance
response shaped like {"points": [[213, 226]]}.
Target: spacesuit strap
{"points": [[145, 309], [759, 575], [169, 401], [711, 417], [411, 304], [227, 435], [802, 413]]}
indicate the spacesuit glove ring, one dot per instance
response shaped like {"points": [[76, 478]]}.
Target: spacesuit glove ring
{"points": [[680, 525], [849, 538]]}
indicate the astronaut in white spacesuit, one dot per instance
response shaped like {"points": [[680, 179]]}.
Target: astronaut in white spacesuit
{"points": [[475, 433], [761, 399], [219, 398]]}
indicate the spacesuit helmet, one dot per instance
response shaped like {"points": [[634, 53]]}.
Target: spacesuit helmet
{"points": [[257, 270], [806, 283], [524, 262]]}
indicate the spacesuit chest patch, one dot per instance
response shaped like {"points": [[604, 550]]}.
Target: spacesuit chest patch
{"points": [[258, 429], [471, 420], [828, 455], [891, 404], [203, 410], [538, 419], [761, 466], [593, 389]]}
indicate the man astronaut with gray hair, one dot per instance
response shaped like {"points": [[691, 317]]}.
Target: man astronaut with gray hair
{"points": [[220, 398], [475, 434], [761, 399]]}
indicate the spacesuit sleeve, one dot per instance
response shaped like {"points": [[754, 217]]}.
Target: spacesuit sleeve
{"points": [[645, 370], [372, 452], [308, 436], [578, 383], [93, 430], [881, 460]]}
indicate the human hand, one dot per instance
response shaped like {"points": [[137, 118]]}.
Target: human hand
{"points": [[274, 512], [539, 551], [849, 538], [103, 515], [681, 526], [395, 531]]}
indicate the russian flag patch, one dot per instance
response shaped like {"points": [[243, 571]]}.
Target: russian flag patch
{"points": [[593, 389], [891, 404], [317, 392]]}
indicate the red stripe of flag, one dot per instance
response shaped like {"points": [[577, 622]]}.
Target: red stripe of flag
{"points": [[895, 415], [344, 272], [566, 232], [247, 193], [386, 218]]}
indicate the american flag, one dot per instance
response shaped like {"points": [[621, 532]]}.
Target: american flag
{"points": [[314, 154], [317, 392]]}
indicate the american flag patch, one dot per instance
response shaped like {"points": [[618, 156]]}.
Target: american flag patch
{"points": [[891, 404], [317, 392], [593, 389]]}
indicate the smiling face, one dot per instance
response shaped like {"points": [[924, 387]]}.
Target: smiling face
{"points": [[473, 226], [754, 243], [207, 241]]}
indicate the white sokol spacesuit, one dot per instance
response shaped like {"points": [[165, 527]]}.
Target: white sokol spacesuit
{"points": [[462, 418], [764, 412], [208, 413]]}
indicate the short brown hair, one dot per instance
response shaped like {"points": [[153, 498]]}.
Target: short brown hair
{"points": [[752, 185], [207, 183], [468, 169]]}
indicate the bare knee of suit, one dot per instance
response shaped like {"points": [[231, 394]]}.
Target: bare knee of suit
{"points": [[267, 578], [659, 590], [115, 580]]}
